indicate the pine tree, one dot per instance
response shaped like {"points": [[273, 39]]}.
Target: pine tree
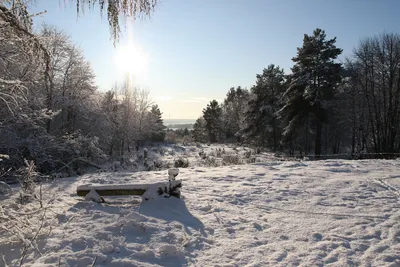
{"points": [[213, 116], [315, 77], [262, 124], [158, 129], [199, 130]]}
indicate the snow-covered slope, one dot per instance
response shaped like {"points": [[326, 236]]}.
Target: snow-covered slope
{"points": [[312, 213]]}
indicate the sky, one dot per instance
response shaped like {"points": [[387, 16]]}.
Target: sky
{"points": [[192, 51]]}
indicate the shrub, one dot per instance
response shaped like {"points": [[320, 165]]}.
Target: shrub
{"points": [[219, 152], [158, 163], [247, 154], [231, 160], [202, 154], [186, 140], [181, 163], [27, 176], [171, 137], [162, 151], [211, 162], [251, 160]]}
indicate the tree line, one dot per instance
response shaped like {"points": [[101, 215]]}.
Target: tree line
{"points": [[51, 112], [322, 106]]}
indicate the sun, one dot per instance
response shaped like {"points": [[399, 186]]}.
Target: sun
{"points": [[132, 60]]}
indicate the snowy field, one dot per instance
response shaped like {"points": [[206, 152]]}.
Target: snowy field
{"points": [[161, 157], [277, 213]]}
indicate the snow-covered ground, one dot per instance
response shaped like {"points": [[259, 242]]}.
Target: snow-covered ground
{"points": [[278, 213]]}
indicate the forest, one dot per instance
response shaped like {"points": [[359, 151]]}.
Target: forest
{"points": [[322, 107], [51, 110]]}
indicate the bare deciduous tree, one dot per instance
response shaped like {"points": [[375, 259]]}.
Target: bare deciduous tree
{"points": [[377, 74]]}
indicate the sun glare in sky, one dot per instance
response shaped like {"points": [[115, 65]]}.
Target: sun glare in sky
{"points": [[131, 60]]}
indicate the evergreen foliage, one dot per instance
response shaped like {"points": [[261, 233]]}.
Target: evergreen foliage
{"points": [[199, 131], [158, 129], [313, 83], [212, 115], [262, 124]]}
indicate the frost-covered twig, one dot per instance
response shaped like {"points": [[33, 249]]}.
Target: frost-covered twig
{"points": [[32, 41], [94, 262], [4, 261], [31, 242], [27, 226], [77, 159]]}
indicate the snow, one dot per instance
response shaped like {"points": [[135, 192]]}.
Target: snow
{"points": [[151, 193], [93, 196], [277, 213], [172, 173]]}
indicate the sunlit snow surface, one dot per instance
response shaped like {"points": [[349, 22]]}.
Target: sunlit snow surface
{"points": [[310, 213]]}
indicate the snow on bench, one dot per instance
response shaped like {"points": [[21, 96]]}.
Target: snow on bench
{"points": [[147, 191]]}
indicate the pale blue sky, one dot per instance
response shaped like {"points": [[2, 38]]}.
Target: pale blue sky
{"points": [[198, 49]]}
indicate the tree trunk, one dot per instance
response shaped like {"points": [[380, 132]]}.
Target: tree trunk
{"points": [[318, 132]]}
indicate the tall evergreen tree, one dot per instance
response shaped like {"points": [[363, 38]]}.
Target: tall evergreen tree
{"points": [[262, 124], [199, 130], [213, 116], [156, 123], [315, 77]]}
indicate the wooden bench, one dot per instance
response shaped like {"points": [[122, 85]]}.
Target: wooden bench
{"points": [[166, 189]]}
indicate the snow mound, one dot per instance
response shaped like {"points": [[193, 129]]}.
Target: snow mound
{"points": [[93, 196]]}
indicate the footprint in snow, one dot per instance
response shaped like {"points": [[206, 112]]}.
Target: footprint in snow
{"points": [[284, 237], [257, 226], [230, 230], [210, 230], [169, 250], [317, 237]]}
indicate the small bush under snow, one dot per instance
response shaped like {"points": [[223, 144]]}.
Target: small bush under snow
{"points": [[231, 159], [181, 163], [5, 189]]}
